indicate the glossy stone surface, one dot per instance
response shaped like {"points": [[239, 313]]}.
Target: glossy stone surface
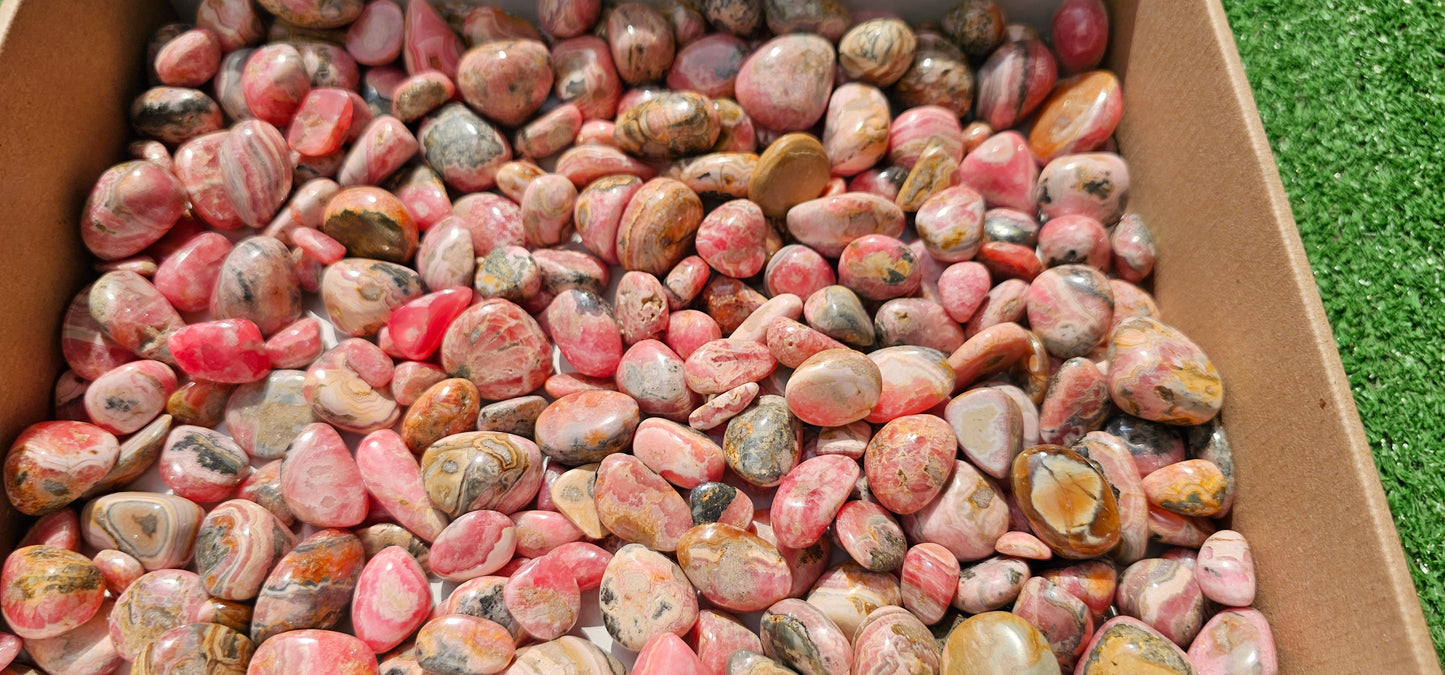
{"points": [[834, 387], [733, 568], [1193, 487], [312, 651], [122, 401], [310, 587], [393, 479], [809, 497], [542, 596], [989, 428], [657, 227], [966, 518], [463, 645], [360, 294], [1159, 374], [1064, 619], [84, 650], [800, 636], [131, 206], [929, 579], [463, 148], [785, 84], [1163, 594], [499, 347], [890, 640], [870, 535], [1071, 309], [156, 529], [49, 591], [53, 463], [1068, 502], [990, 584], [383, 147], [828, 224], [572, 495], [263, 417], [653, 374], [86, 348], [644, 594], [915, 379], [320, 480], [908, 462], [1225, 572], [1235, 641], [638, 505], [174, 115], [236, 547], [392, 599], [1078, 116], [998, 642], [132, 313], [257, 282], [154, 604], [481, 470], [681, 455], [120, 569], [568, 652], [1126, 645]]}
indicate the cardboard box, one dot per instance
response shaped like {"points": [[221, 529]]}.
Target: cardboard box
{"points": [[1231, 273]]}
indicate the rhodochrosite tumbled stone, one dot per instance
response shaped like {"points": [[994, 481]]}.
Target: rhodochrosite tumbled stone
{"points": [[463, 645], [48, 591], [52, 463], [644, 594], [320, 481], [156, 529], [733, 568], [230, 351], [785, 84], [543, 597], [258, 282], [809, 497], [312, 651], [198, 647], [132, 205], [1157, 373], [238, 544], [310, 586], [638, 505], [481, 470], [762, 443], [1127, 645], [890, 640], [799, 635], [1068, 502], [1235, 640], [155, 603], [499, 347], [392, 599]]}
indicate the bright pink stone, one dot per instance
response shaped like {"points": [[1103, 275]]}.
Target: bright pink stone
{"points": [[130, 396], [686, 458], [9, 648], [312, 651], [716, 636], [48, 591], [429, 43], [375, 38], [598, 211], [652, 374], [667, 654], [86, 348], [809, 497], [131, 206], [962, 288], [543, 597], [133, 313], [755, 327], [275, 82], [189, 59], [201, 464], [493, 221], [1071, 239], [119, 568], [908, 462], [424, 195], [229, 351], [60, 529], [391, 475], [384, 146], [638, 505], [915, 379], [583, 327], [913, 129], [188, 276], [1080, 31], [586, 560], [474, 545], [295, 346], [967, 518], [732, 239], [321, 123], [785, 84], [392, 599], [540, 532], [930, 578], [256, 167], [1002, 170], [720, 365], [689, 329], [234, 22], [417, 328], [320, 481]]}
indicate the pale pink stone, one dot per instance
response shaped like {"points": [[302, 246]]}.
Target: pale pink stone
{"points": [[755, 327], [307, 208], [384, 146], [543, 597], [1002, 170], [392, 599], [667, 654], [723, 407], [296, 345], [320, 480], [375, 38], [929, 581], [430, 43], [477, 544], [540, 532], [1225, 569], [1022, 545], [392, 476], [686, 458], [809, 497]]}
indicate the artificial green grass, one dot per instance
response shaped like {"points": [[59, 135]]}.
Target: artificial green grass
{"points": [[1352, 95]]}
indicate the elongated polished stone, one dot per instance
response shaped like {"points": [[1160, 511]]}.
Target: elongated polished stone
{"points": [[312, 651], [808, 498], [134, 314], [1068, 502], [733, 568], [52, 463], [392, 476], [638, 505], [966, 518], [311, 585], [320, 480], [392, 599]]}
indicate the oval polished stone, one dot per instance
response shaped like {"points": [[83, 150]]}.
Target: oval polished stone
{"points": [[1163, 594], [1225, 572], [586, 426], [870, 536], [483, 598], [1077, 402], [658, 226], [154, 604], [1127, 645], [448, 407], [320, 480], [1078, 116], [1235, 641], [542, 595], [908, 462], [929, 580], [809, 497], [499, 347], [84, 650], [1068, 502], [990, 584], [834, 387], [1071, 308], [681, 455], [1157, 373], [720, 365], [1064, 619], [762, 444], [312, 651], [53, 463], [506, 80], [892, 641], [672, 125], [966, 518], [1194, 487], [653, 374], [638, 505], [237, 545], [463, 148], [644, 594], [996, 643], [361, 294], [392, 479], [49, 591], [915, 379], [132, 313], [855, 134], [733, 239], [120, 401], [846, 593], [463, 645], [310, 587], [794, 169], [263, 417], [989, 428], [1112, 457], [481, 470], [131, 207], [800, 636], [371, 223], [828, 224], [199, 647], [201, 464], [585, 330], [258, 282], [733, 568], [723, 407], [156, 529], [392, 599], [785, 84], [641, 306]]}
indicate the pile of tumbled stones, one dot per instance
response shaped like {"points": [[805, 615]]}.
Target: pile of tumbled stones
{"points": [[920, 342]]}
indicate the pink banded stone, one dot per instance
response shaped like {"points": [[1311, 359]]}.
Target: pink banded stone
{"points": [[1225, 571], [320, 480], [915, 379], [86, 348], [322, 122], [967, 518], [638, 505], [908, 462], [474, 545], [384, 146], [499, 347], [84, 650], [716, 636], [1164, 595], [238, 544], [133, 313], [723, 407], [890, 640], [809, 497], [1157, 373], [127, 398], [429, 42], [930, 580], [733, 568], [644, 594], [49, 591], [802, 637], [375, 38], [155, 603], [310, 587], [653, 374], [187, 277], [834, 387], [587, 561], [991, 584], [786, 82], [720, 365], [1063, 619], [686, 458], [313, 651], [731, 239], [1235, 641], [296, 345], [417, 327], [392, 599], [392, 477], [131, 206], [202, 464], [870, 535], [689, 329], [1002, 170], [543, 597], [234, 23], [540, 532], [60, 529], [229, 351]]}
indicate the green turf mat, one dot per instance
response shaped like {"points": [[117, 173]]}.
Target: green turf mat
{"points": [[1353, 99]]}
